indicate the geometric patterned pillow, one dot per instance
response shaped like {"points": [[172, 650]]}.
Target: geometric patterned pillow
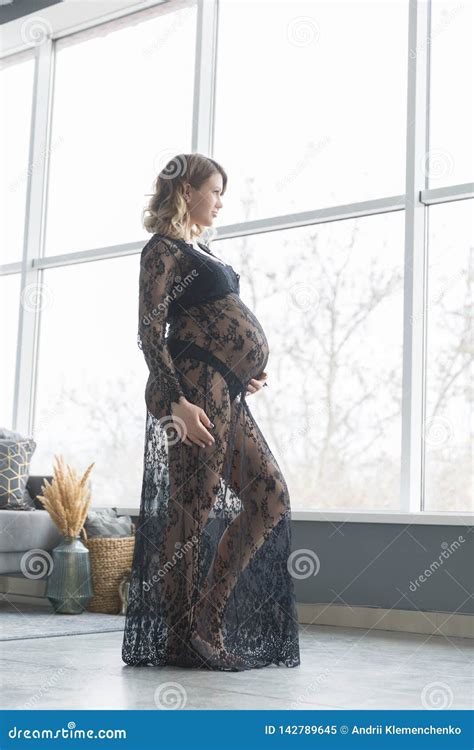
{"points": [[15, 457]]}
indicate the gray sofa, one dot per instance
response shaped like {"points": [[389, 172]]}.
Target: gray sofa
{"points": [[25, 530]]}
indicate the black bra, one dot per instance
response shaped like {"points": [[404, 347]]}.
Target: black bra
{"points": [[210, 281]]}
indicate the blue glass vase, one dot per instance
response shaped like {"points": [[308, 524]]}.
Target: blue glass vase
{"points": [[69, 586]]}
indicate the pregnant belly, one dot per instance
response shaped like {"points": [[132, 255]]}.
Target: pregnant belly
{"points": [[226, 329]]}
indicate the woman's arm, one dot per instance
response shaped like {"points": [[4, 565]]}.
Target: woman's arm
{"points": [[158, 287]]}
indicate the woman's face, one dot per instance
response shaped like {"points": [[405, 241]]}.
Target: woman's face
{"points": [[204, 204]]}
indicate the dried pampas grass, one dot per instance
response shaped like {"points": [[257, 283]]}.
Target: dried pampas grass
{"points": [[66, 498]]}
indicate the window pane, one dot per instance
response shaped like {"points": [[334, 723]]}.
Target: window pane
{"points": [[330, 299], [448, 431], [314, 113], [16, 93], [123, 104], [9, 310], [452, 83], [92, 376]]}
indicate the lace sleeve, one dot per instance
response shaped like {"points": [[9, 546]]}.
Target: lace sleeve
{"points": [[159, 285]]}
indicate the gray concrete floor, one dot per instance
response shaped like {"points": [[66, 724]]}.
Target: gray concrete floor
{"points": [[341, 668]]}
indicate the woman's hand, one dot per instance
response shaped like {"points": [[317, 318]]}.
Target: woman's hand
{"points": [[191, 422], [256, 384]]}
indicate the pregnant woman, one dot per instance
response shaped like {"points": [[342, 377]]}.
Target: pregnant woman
{"points": [[210, 586]]}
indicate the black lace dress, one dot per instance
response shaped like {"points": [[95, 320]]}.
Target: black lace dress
{"points": [[210, 587]]}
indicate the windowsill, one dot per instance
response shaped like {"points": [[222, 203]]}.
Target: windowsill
{"points": [[362, 516], [384, 516]]}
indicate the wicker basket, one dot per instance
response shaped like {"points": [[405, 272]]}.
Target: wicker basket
{"points": [[110, 557]]}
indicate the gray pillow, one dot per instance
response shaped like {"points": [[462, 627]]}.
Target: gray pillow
{"points": [[10, 435], [15, 457], [107, 523]]}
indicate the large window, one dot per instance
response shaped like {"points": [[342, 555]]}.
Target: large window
{"points": [[16, 96], [131, 111], [449, 415], [91, 377], [331, 298], [9, 309], [311, 104], [451, 148], [315, 111]]}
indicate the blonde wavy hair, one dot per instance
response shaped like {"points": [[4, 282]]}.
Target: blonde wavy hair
{"points": [[167, 210]]}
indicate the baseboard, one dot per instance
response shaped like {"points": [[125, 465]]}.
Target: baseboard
{"points": [[18, 589], [401, 620]]}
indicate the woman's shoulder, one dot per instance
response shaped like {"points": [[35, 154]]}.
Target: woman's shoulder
{"points": [[161, 244]]}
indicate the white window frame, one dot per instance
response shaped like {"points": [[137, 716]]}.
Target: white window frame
{"points": [[415, 202]]}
